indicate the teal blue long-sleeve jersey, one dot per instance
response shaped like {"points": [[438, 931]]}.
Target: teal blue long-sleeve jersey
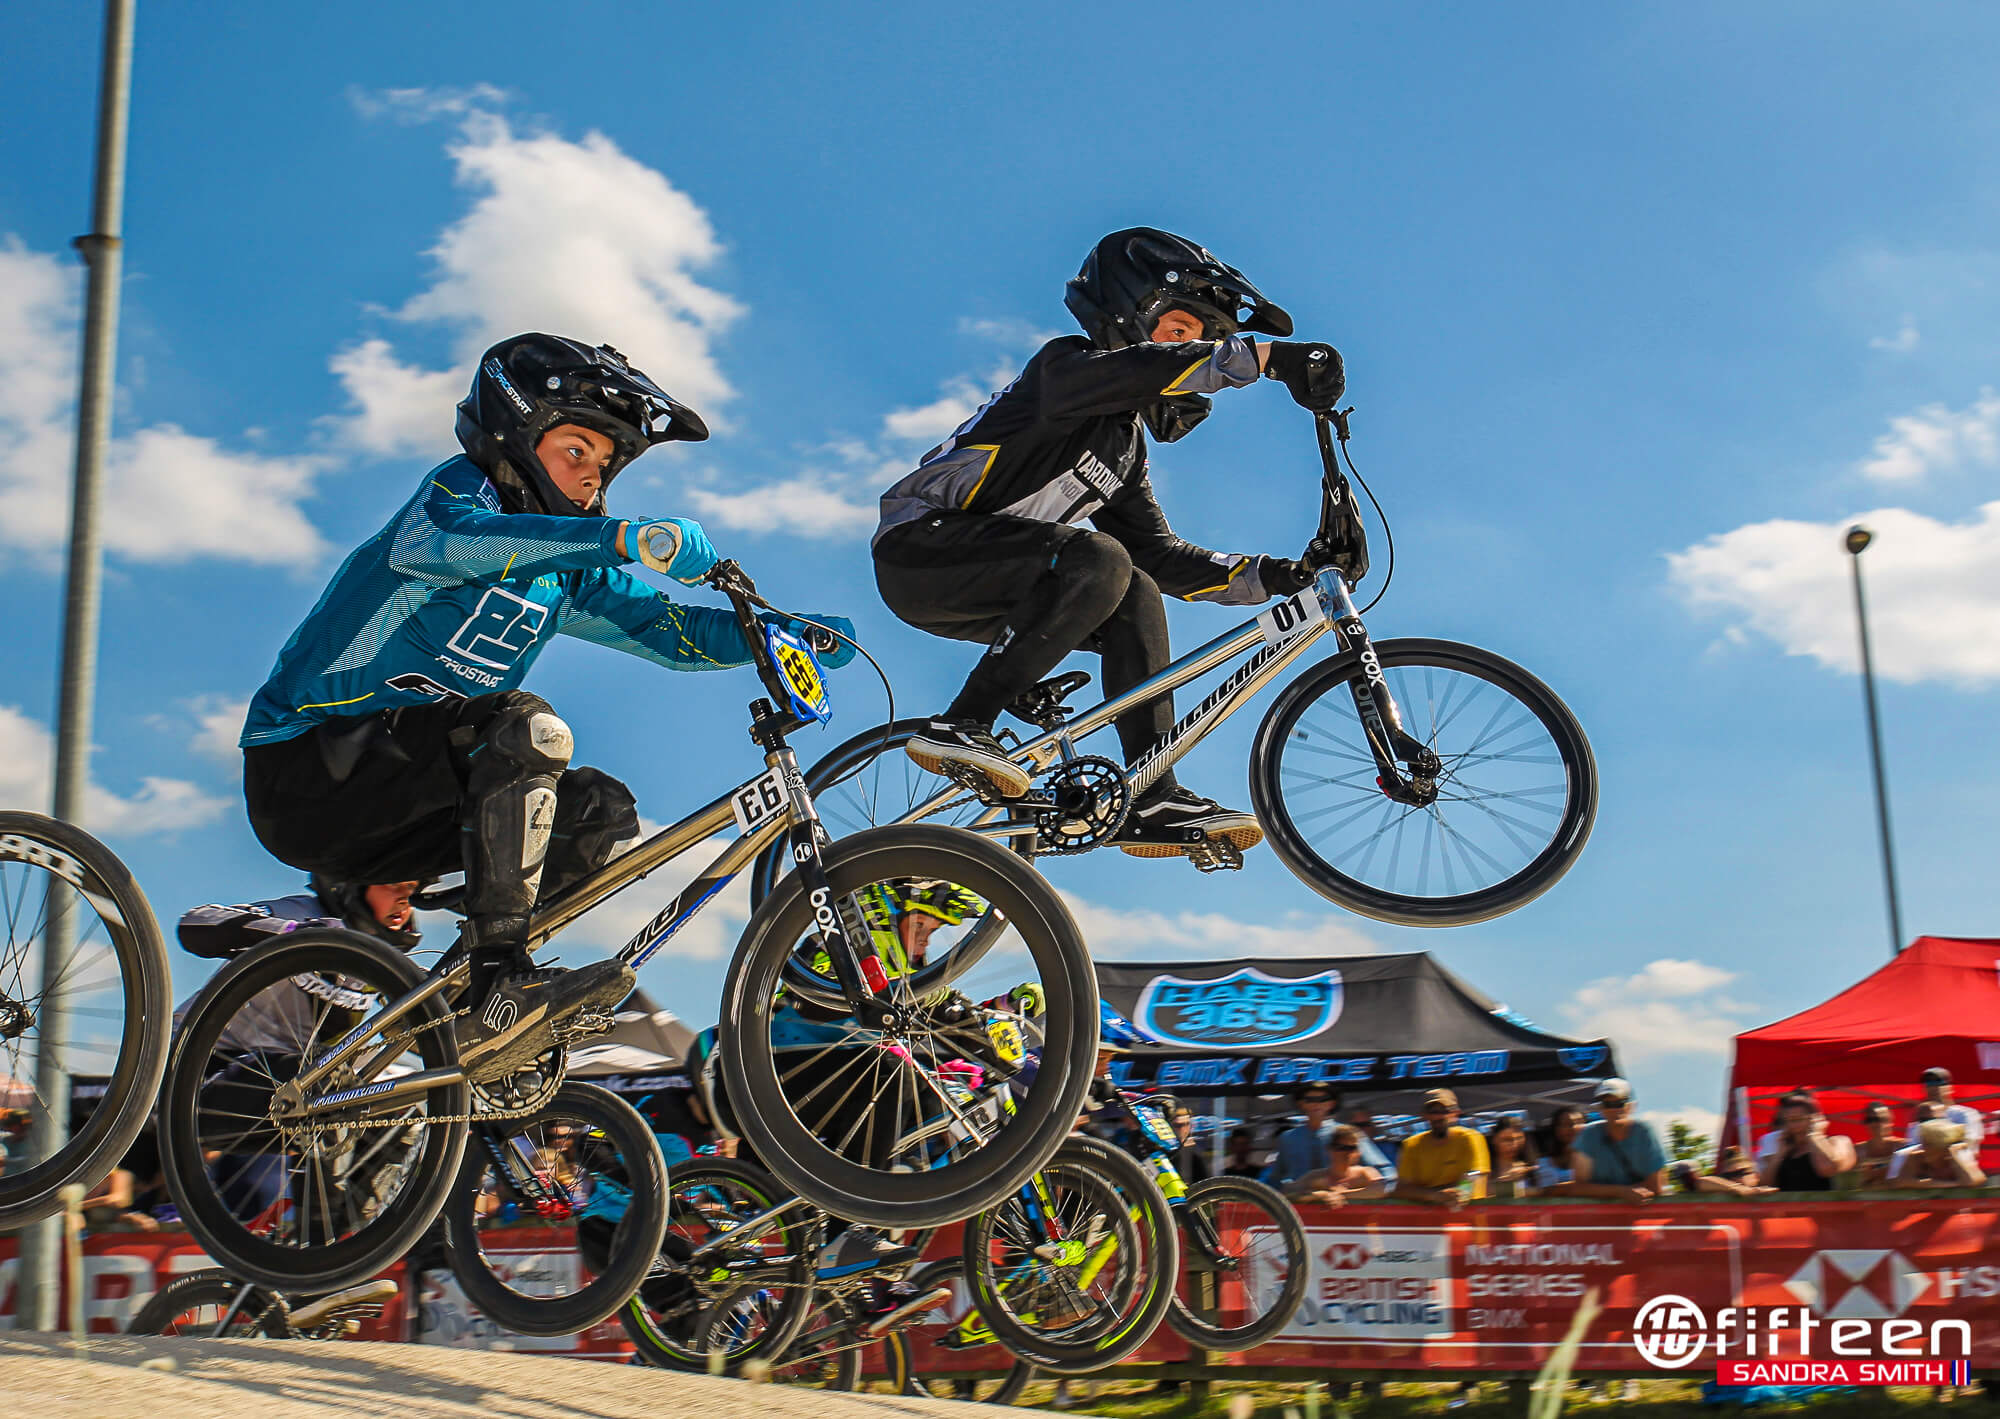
{"points": [[456, 598]]}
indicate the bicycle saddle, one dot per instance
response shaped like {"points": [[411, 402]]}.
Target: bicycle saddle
{"points": [[1042, 704]]}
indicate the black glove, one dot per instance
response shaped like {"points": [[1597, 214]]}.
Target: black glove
{"points": [[1281, 576], [1312, 372]]}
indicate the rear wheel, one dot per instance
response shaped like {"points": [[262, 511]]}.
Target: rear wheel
{"points": [[1243, 1265], [585, 1162], [1076, 1270], [741, 1321], [943, 1352], [707, 1199], [928, 1114], [104, 1009], [196, 1304], [310, 1203], [1516, 787]]}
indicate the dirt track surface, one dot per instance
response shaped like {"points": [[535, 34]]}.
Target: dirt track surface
{"points": [[264, 1379]]}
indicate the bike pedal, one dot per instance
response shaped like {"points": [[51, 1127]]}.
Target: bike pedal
{"points": [[1216, 855], [976, 784]]}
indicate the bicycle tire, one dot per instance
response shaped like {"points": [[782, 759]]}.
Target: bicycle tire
{"points": [[261, 1312], [1022, 1140], [1197, 1225], [1337, 735], [100, 887], [1148, 1272], [635, 1241], [850, 812], [245, 1247], [724, 1323], [903, 1351], [664, 1315]]}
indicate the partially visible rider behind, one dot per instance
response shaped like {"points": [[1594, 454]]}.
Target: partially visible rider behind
{"points": [[978, 544], [390, 741]]}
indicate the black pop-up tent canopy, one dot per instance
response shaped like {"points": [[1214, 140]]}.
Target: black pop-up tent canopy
{"points": [[1380, 1029]]}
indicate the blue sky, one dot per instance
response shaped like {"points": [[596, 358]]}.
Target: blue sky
{"points": [[1640, 308]]}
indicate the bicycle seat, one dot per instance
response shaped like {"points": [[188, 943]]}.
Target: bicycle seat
{"points": [[1042, 704]]}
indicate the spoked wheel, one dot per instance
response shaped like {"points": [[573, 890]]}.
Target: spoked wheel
{"points": [[739, 1321], [314, 1203], [946, 1353], [1075, 1271], [212, 1305], [83, 981], [584, 1162], [1243, 1265], [869, 782], [1516, 794], [707, 1199], [929, 1113]]}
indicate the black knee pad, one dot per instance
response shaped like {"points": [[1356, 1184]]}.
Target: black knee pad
{"points": [[1093, 565], [523, 732], [519, 749]]}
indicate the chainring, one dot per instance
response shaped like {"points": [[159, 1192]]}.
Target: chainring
{"points": [[1088, 799], [523, 1092]]}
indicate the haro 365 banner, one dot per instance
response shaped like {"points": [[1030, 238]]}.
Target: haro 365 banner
{"points": [[1495, 1288]]}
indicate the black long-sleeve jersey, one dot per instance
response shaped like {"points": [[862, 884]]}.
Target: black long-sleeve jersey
{"points": [[1065, 442]]}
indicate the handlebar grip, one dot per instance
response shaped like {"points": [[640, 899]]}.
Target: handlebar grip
{"points": [[819, 638]]}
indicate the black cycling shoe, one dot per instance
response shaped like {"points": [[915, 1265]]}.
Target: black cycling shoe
{"points": [[860, 1249], [967, 745], [1160, 825], [522, 1014]]}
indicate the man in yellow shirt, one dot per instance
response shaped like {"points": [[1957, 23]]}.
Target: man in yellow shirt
{"points": [[1445, 1163]]}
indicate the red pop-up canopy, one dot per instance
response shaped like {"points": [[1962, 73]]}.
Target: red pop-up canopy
{"points": [[1935, 1004]]}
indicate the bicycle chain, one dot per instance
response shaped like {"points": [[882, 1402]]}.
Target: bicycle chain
{"points": [[429, 1120]]}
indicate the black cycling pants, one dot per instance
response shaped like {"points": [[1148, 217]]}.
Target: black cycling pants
{"points": [[1033, 592], [377, 798]]}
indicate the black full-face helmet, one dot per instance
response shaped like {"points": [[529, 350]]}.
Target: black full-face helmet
{"points": [[1132, 278], [529, 384], [349, 902]]}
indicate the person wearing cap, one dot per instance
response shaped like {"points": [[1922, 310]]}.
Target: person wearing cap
{"points": [[1941, 1157], [1937, 1090], [1445, 1162], [1627, 1163]]}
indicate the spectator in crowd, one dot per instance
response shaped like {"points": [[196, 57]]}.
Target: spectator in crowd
{"points": [[1941, 1157], [1872, 1155], [133, 1191], [1241, 1160], [1302, 1148], [1443, 1162], [1344, 1179], [1806, 1158], [1937, 1090], [1512, 1154], [1187, 1159], [1372, 1151], [1734, 1174], [1626, 1160], [1561, 1167]]}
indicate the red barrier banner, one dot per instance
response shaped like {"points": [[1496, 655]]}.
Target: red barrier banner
{"points": [[122, 1270]]}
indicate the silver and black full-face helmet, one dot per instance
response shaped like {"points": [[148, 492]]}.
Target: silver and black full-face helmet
{"points": [[529, 384]]}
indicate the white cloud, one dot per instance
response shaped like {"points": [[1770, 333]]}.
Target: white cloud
{"points": [[521, 259], [1901, 343], [1937, 439], [1671, 1007], [162, 805], [806, 506], [1112, 930], [170, 496], [218, 724], [1933, 591], [423, 105], [934, 422]]}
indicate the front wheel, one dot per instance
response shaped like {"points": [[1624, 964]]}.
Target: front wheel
{"points": [[212, 1305], [932, 1111], [584, 1161], [927, 1356], [1515, 800], [1243, 1260]]}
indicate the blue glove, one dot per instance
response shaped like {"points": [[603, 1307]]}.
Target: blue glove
{"points": [[842, 651], [675, 547]]}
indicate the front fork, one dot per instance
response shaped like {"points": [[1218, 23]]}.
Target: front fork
{"points": [[1381, 720]]}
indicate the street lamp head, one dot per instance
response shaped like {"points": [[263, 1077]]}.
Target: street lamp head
{"points": [[1858, 538]]}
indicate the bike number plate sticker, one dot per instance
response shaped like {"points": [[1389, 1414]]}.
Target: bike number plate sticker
{"points": [[801, 671], [758, 800], [1293, 617]]}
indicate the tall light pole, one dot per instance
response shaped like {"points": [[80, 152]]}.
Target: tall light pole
{"points": [[102, 251], [1858, 538]]}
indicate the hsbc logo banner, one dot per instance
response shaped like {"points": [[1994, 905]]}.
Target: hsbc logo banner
{"points": [[1372, 1286]]}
